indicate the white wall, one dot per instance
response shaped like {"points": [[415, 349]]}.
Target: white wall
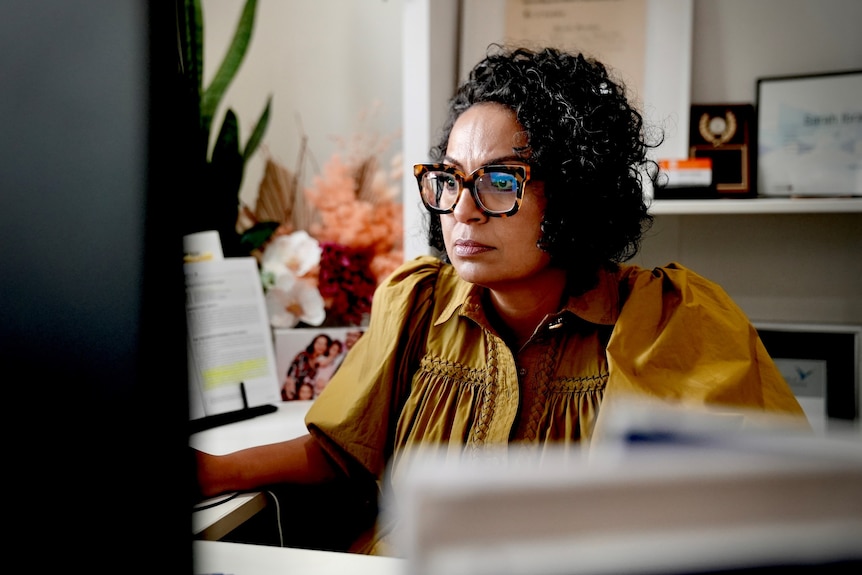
{"points": [[737, 41], [326, 62]]}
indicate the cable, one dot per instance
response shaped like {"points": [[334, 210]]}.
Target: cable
{"points": [[225, 499], [278, 519]]}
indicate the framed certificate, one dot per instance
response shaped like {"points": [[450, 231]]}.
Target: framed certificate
{"points": [[647, 43], [809, 132]]}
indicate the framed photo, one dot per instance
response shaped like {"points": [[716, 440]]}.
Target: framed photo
{"points": [[809, 133], [307, 358], [821, 363]]}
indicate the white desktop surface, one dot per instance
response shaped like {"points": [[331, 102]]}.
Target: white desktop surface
{"points": [[213, 521], [243, 559], [286, 423]]}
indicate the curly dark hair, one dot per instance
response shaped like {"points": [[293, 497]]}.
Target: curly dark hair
{"points": [[587, 143]]}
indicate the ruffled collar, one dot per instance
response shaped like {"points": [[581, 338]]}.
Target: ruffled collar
{"points": [[600, 305]]}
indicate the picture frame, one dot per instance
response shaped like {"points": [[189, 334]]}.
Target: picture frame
{"points": [[724, 134], [821, 363], [664, 98], [809, 135], [305, 369]]}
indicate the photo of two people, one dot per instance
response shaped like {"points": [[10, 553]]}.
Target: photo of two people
{"points": [[306, 359]]}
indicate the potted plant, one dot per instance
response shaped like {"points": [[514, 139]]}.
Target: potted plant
{"points": [[218, 168]]}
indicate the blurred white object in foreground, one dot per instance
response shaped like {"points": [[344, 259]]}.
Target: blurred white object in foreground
{"points": [[663, 492]]}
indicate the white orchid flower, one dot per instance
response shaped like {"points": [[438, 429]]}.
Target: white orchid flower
{"points": [[290, 301], [294, 254]]}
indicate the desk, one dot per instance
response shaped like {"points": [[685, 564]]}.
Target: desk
{"points": [[215, 521], [244, 559], [285, 423]]}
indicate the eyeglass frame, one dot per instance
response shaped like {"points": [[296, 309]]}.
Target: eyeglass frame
{"points": [[521, 172]]}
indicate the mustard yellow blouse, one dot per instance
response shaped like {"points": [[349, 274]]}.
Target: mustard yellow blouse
{"points": [[665, 333]]}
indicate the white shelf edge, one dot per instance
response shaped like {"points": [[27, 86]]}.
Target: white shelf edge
{"points": [[757, 206]]}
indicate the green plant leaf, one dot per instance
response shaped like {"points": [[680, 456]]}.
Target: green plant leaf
{"points": [[226, 160], [258, 132], [193, 49], [230, 64], [224, 176], [190, 38], [257, 235]]}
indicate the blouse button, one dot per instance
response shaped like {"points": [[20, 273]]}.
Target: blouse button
{"points": [[522, 371]]}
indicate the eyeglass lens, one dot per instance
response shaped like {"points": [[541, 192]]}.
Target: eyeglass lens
{"points": [[495, 191]]}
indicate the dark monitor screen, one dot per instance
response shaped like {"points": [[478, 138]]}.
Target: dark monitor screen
{"points": [[92, 324]]}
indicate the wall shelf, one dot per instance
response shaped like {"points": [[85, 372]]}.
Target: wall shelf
{"points": [[757, 206]]}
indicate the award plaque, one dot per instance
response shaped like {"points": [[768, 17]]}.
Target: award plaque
{"points": [[723, 133]]}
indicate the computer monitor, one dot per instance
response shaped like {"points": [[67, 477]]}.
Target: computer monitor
{"points": [[92, 317]]}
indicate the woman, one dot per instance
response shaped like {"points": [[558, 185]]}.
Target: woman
{"points": [[303, 368], [327, 365], [529, 323]]}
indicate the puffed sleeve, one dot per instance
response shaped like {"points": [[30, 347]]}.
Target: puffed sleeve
{"points": [[680, 337], [355, 416]]}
